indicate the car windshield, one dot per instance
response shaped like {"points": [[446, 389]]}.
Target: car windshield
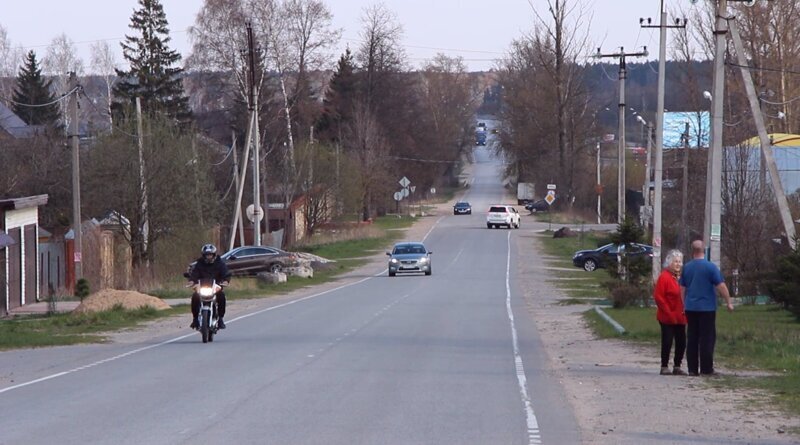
{"points": [[405, 250]]}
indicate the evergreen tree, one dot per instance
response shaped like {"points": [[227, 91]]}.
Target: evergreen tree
{"points": [[152, 76], [338, 102], [33, 89]]}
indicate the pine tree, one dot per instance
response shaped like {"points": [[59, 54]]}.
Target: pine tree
{"points": [[33, 89], [152, 76], [339, 99]]}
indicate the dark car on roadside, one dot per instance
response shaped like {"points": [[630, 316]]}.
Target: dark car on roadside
{"points": [[603, 256], [537, 206], [251, 260], [462, 208]]}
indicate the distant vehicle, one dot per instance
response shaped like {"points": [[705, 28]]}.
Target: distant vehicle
{"points": [[502, 215], [590, 260], [462, 208], [409, 257], [250, 260], [537, 206], [525, 192], [480, 137], [480, 134]]}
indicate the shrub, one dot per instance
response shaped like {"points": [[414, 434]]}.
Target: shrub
{"points": [[82, 288], [784, 287], [624, 294]]}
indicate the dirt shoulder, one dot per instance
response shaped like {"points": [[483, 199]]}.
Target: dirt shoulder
{"points": [[614, 386]]}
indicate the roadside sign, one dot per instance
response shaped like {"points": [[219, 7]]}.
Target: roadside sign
{"points": [[550, 198], [433, 190], [404, 192], [551, 193], [413, 188], [551, 186], [404, 182], [398, 196], [716, 232]]}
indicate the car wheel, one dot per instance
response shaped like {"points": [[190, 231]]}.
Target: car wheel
{"points": [[275, 268], [428, 272], [488, 226], [391, 274], [589, 265]]}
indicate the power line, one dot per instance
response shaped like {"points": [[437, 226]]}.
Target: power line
{"points": [[772, 70], [54, 101]]}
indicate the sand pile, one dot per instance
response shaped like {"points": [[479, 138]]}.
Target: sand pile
{"points": [[106, 299]]}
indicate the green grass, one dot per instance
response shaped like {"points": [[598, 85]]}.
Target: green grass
{"points": [[764, 338], [68, 329]]}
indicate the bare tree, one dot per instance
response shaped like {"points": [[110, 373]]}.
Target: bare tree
{"points": [[369, 148], [61, 59], [104, 64], [10, 58], [449, 101]]}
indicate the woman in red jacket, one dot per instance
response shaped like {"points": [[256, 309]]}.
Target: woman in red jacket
{"points": [[670, 313]]}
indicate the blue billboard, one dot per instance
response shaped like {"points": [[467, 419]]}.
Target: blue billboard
{"points": [[675, 127]]}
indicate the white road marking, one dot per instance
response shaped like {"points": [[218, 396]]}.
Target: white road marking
{"points": [[530, 417], [433, 227]]}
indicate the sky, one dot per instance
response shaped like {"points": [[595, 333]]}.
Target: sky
{"points": [[480, 31]]}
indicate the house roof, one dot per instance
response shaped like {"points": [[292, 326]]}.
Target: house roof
{"points": [[778, 140], [14, 125], [23, 203]]}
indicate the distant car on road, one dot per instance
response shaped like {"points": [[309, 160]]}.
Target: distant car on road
{"points": [[409, 257], [250, 260], [590, 260], [502, 215], [462, 208]]}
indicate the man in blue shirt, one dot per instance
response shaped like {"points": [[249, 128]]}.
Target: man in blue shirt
{"points": [[700, 281]]}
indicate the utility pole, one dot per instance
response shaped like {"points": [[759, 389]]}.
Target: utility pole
{"points": [[659, 151], [684, 188], [646, 186], [621, 55], [253, 103], [76, 179], [236, 180], [599, 184], [766, 146], [712, 233], [145, 229], [251, 127]]}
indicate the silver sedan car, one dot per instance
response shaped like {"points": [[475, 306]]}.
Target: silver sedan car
{"points": [[409, 257]]}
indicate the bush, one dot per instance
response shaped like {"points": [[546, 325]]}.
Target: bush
{"points": [[784, 287], [82, 288], [624, 294]]}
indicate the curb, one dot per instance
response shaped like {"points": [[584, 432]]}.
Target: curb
{"points": [[617, 327]]}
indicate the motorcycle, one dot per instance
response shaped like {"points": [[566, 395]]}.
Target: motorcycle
{"points": [[208, 289]]}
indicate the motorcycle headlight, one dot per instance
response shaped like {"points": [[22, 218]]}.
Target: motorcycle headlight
{"points": [[206, 292]]}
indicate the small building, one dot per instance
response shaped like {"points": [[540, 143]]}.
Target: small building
{"points": [[19, 263]]}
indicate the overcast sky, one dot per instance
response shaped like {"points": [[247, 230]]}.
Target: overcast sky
{"points": [[478, 30]]}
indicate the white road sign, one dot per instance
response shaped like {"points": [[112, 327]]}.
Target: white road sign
{"points": [[404, 182]]}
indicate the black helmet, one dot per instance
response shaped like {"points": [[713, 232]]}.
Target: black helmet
{"points": [[209, 252]]}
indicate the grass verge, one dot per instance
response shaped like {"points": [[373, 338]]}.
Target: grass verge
{"points": [[35, 331], [752, 338]]}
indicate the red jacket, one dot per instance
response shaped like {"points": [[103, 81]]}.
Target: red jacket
{"points": [[668, 299]]}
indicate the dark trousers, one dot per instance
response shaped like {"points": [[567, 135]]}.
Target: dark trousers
{"points": [[668, 333], [702, 335], [220, 304]]}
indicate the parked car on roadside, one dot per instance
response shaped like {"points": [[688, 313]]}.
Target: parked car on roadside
{"points": [[590, 260], [537, 206], [250, 260], [502, 215], [462, 208], [409, 257]]}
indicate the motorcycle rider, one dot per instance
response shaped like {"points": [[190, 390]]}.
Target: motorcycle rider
{"points": [[209, 266]]}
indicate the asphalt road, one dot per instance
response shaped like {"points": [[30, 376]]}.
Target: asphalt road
{"points": [[453, 358]]}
